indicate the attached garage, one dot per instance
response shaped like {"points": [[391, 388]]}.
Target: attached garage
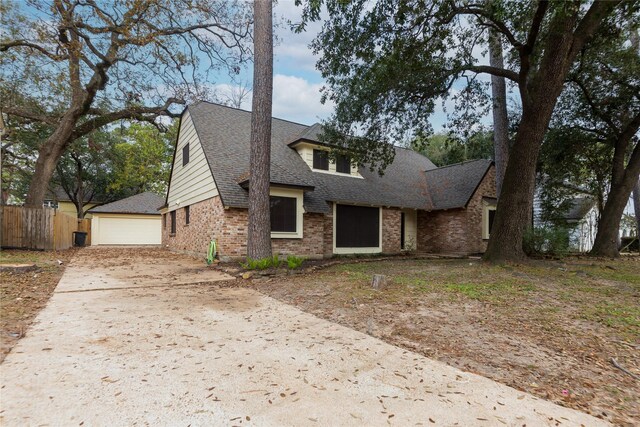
{"points": [[131, 221]]}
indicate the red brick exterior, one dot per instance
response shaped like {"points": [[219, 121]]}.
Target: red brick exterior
{"points": [[391, 218], [456, 230], [209, 220]]}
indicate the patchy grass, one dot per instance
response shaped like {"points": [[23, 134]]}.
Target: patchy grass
{"points": [[543, 328], [24, 294]]}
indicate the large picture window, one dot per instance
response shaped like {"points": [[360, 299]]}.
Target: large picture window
{"points": [[320, 160], [283, 214], [357, 227]]}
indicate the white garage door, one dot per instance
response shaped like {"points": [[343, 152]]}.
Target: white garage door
{"points": [[126, 230]]}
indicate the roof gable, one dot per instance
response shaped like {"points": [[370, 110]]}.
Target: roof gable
{"points": [[453, 186], [410, 181]]}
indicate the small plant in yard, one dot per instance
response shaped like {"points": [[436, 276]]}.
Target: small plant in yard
{"points": [[261, 264], [294, 262], [547, 240]]}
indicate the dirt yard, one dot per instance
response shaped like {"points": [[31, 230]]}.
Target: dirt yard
{"points": [[24, 294], [551, 328]]}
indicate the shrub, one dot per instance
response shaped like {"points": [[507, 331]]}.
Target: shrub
{"points": [[261, 264], [294, 262], [546, 240]]}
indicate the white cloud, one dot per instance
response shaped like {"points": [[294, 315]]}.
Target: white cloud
{"points": [[292, 49], [298, 100], [294, 98]]}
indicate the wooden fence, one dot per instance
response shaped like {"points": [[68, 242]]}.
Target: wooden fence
{"points": [[39, 228]]}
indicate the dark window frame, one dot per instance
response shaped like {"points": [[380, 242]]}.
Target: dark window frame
{"points": [[283, 222], [320, 160], [164, 221], [187, 215], [354, 226], [185, 154], [343, 164], [491, 215], [173, 223]]}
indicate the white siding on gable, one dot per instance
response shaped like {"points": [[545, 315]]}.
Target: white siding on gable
{"points": [[192, 182]]}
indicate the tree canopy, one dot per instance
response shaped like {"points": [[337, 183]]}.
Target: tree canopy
{"points": [[387, 64], [75, 67]]}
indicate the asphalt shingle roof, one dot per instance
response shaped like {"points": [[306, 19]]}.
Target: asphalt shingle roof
{"points": [[578, 208], [144, 203], [452, 186], [408, 182]]}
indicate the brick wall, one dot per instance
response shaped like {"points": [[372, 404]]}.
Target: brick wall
{"points": [[328, 234], [209, 220], [456, 230], [391, 239], [312, 243], [442, 231], [487, 188], [206, 219]]}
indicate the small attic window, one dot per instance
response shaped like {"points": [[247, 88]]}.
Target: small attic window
{"points": [[185, 155], [320, 160], [343, 164]]}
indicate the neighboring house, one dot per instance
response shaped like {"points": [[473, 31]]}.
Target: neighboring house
{"points": [[131, 221], [58, 199], [319, 207], [582, 220]]}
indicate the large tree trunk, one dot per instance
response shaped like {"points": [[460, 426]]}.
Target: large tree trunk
{"points": [[539, 94], [606, 242], [259, 233], [513, 214], [48, 155], [636, 206], [500, 119], [623, 180]]}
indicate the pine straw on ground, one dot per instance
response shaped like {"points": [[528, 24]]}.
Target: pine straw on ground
{"points": [[549, 328], [24, 294]]}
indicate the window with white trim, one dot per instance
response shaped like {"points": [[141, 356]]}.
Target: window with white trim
{"points": [[286, 211], [488, 215]]}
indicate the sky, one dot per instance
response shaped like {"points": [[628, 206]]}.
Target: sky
{"points": [[296, 82]]}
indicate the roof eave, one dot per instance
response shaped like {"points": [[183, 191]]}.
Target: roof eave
{"points": [[245, 184]]}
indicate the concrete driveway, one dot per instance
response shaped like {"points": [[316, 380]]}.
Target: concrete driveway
{"points": [[120, 344]]}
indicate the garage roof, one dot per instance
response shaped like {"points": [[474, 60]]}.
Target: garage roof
{"points": [[143, 204]]}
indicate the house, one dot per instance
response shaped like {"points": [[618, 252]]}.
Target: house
{"points": [[131, 221], [58, 199], [319, 207], [582, 221]]}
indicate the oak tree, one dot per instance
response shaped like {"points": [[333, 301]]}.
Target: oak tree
{"points": [[89, 63], [387, 64]]}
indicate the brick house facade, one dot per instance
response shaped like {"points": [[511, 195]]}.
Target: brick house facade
{"points": [[210, 220], [458, 230], [320, 205], [447, 231]]}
